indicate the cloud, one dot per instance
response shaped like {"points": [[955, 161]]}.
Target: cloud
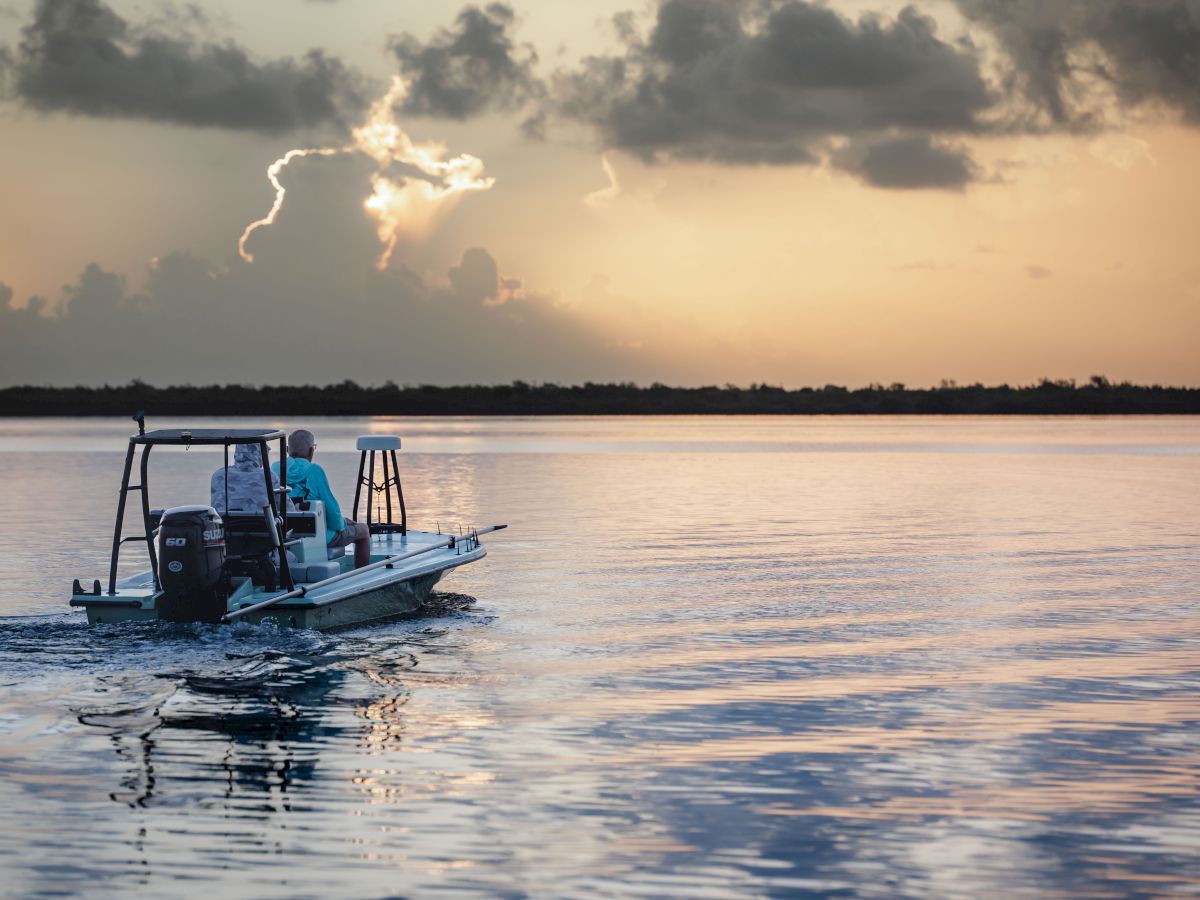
{"points": [[1122, 151], [194, 323], [6, 73], [477, 278], [775, 83], [312, 308], [908, 164], [472, 67], [890, 100], [1073, 59], [412, 185], [80, 56], [603, 196], [1038, 272]]}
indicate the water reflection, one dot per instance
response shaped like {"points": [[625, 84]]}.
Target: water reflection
{"points": [[711, 658], [225, 741], [248, 737]]}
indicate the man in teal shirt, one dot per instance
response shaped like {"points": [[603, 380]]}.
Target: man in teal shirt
{"points": [[309, 482]]}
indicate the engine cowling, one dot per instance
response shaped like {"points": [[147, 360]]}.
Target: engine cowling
{"points": [[191, 564]]}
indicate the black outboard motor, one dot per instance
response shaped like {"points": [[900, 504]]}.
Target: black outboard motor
{"points": [[191, 562]]}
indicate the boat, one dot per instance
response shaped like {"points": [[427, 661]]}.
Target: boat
{"points": [[272, 565]]}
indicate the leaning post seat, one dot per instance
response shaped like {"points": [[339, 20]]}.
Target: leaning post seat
{"points": [[247, 533], [253, 544], [385, 494], [311, 559], [308, 532]]}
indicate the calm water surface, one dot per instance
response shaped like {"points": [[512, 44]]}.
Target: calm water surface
{"points": [[712, 657]]}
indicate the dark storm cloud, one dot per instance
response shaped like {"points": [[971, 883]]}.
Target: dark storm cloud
{"points": [[781, 82], [1060, 53], [80, 56], [773, 82], [472, 67], [908, 163]]}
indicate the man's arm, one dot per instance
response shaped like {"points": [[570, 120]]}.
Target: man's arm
{"points": [[275, 484], [216, 489], [333, 512]]}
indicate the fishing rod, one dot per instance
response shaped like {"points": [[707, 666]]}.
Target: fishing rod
{"points": [[451, 541]]}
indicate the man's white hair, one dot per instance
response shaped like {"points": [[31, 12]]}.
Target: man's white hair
{"points": [[300, 442]]}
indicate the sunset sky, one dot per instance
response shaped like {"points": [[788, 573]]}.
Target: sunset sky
{"points": [[686, 191]]}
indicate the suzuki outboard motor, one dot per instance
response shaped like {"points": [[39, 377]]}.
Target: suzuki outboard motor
{"points": [[191, 562]]}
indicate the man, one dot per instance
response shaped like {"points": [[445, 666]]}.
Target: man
{"points": [[308, 482], [243, 482], [244, 485]]}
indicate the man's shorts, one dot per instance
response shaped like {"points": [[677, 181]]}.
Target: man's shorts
{"points": [[345, 537]]}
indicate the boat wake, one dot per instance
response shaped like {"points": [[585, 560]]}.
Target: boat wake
{"points": [[239, 658], [179, 705]]}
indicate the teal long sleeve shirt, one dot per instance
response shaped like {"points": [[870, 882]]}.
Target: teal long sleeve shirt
{"points": [[309, 482]]}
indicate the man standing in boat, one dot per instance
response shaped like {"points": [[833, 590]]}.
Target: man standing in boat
{"points": [[309, 482]]}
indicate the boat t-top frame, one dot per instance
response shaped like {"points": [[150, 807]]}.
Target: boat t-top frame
{"points": [[275, 513]]}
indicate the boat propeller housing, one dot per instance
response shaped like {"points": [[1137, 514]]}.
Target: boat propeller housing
{"points": [[191, 561]]}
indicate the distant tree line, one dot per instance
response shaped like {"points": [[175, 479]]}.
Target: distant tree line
{"points": [[1098, 396]]}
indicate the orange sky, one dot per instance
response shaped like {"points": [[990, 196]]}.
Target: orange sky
{"points": [[1068, 254]]}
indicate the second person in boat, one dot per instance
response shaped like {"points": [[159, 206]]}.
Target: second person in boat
{"points": [[309, 482]]}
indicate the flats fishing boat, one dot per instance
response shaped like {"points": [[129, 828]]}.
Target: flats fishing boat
{"points": [[273, 564]]}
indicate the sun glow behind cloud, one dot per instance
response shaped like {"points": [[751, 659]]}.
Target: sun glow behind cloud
{"points": [[273, 171], [404, 204], [607, 194]]}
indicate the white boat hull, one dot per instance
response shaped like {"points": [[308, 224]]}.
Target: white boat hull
{"points": [[383, 592], [387, 602]]}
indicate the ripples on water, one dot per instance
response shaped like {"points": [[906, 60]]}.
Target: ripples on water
{"points": [[712, 657]]}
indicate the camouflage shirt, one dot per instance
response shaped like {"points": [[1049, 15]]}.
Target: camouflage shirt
{"points": [[247, 489]]}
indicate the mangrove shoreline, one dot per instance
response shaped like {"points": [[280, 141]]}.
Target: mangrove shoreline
{"points": [[1098, 396]]}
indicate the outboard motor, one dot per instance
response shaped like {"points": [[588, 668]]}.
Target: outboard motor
{"points": [[191, 562]]}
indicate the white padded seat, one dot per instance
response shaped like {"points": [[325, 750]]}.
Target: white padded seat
{"points": [[321, 571], [379, 442]]}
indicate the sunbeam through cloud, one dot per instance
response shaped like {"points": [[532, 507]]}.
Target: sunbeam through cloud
{"points": [[413, 184]]}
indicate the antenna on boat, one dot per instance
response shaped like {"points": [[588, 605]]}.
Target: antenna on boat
{"points": [[140, 418]]}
